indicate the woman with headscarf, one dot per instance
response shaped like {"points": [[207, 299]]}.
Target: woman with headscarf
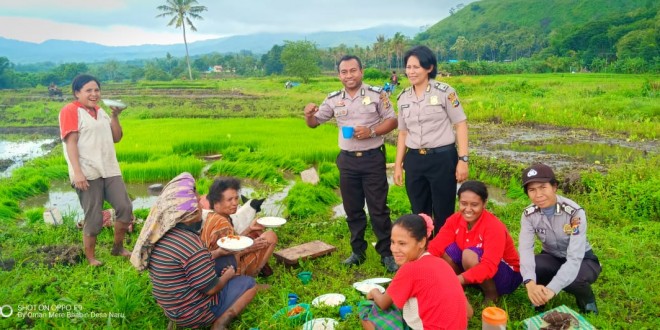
{"points": [[185, 283]]}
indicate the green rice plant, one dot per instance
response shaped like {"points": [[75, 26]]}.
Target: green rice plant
{"points": [[162, 169], [259, 171], [308, 201]]}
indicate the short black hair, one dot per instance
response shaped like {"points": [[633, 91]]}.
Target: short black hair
{"points": [[348, 58], [414, 224], [219, 186], [80, 80], [476, 187], [426, 59]]}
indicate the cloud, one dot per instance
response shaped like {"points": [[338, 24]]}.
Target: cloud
{"points": [[39, 30]]}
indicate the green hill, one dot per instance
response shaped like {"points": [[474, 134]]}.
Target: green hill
{"points": [[503, 30]]}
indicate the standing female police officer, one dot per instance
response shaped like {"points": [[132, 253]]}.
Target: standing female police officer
{"points": [[429, 112], [566, 261]]}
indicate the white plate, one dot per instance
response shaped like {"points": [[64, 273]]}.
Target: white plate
{"points": [[366, 287], [329, 299], [233, 244], [115, 103], [271, 222], [320, 324], [378, 280]]}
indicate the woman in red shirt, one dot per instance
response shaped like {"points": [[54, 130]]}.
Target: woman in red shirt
{"points": [[477, 245], [424, 288]]}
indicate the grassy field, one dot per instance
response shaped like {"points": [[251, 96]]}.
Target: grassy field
{"points": [[257, 125]]}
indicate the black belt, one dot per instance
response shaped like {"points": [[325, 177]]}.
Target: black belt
{"points": [[360, 153], [426, 151]]}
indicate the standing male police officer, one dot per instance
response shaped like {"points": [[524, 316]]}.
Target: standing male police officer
{"points": [[361, 161]]}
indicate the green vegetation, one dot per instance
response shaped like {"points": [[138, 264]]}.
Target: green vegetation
{"points": [[170, 125]]}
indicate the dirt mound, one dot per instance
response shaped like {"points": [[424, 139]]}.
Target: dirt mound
{"points": [[66, 255]]}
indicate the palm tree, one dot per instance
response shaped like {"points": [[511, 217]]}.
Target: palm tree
{"points": [[181, 12]]}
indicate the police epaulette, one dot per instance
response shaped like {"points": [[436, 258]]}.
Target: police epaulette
{"points": [[333, 94], [441, 86], [530, 210], [375, 89], [568, 209], [403, 91]]}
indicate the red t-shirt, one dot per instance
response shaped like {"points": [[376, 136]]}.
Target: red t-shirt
{"points": [[488, 234], [440, 298]]}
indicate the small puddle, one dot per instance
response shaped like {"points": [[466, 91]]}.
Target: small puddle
{"points": [[272, 206], [64, 198]]}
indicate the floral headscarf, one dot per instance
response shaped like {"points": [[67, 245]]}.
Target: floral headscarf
{"points": [[177, 203]]}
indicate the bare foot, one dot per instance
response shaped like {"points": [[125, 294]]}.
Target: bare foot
{"points": [[94, 262], [120, 251]]}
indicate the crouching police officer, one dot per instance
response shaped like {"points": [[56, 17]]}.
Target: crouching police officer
{"points": [[566, 261]]}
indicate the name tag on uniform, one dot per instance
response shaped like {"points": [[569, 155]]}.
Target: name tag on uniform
{"points": [[539, 231], [341, 112]]}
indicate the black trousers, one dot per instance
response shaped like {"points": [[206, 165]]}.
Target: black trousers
{"points": [[363, 178], [431, 184], [548, 265]]}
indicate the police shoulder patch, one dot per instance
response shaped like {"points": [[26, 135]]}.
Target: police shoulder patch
{"points": [[530, 210], [568, 209], [333, 94], [441, 86], [403, 91], [375, 89]]}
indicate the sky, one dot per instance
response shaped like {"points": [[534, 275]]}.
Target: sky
{"points": [[134, 22]]}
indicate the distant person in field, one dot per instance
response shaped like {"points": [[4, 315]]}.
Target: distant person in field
{"points": [[478, 246], [223, 199], [566, 261], [394, 81], [425, 290], [184, 281], [432, 147], [361, 161], [88, 137]]}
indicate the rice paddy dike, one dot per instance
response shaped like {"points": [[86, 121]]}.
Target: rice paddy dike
{"points": [[599, 131]]}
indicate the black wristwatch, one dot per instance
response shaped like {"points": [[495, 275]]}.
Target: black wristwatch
{"points": [[527, 281], [463, 158]]}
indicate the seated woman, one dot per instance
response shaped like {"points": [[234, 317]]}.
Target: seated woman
{"points": [[477, 245], [185, 284], [223, 199], [424, 287], [566, 261]]}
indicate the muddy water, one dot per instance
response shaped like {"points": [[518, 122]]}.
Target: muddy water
{"points": [[13, 154], [63, 197]]}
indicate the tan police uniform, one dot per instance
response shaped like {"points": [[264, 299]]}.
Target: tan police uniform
{"points": [[430, 161], [361, 164]]}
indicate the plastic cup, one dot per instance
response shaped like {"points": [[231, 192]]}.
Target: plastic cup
{"points": [[293, 299], [347, 131], [344, 311], [493, 318], [305, 277]]}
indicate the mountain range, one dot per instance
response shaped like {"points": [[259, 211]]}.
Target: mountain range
{"points": [[63, 51]]}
